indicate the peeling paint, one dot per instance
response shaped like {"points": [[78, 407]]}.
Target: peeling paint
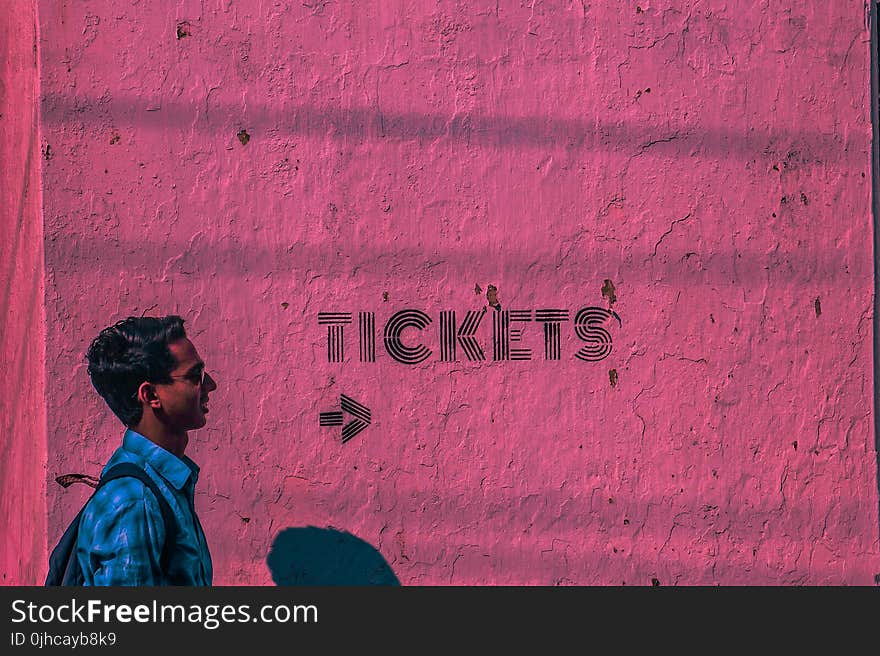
{"points": [[608, 292], [492, 297]]}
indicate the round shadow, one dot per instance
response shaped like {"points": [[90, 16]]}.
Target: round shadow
{"points": [[324, 556]]}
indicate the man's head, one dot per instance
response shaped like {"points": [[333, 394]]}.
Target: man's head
{"points": [[147, 364]]}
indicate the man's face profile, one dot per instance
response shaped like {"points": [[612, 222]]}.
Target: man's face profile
{"points": [[184, 401]]}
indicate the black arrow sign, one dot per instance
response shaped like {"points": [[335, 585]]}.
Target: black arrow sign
{"points": [[361, 414]]}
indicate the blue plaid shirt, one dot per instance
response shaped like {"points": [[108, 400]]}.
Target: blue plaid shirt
{"points": [[122, 533]]}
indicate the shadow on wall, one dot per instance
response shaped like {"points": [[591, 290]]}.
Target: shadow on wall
{"points": [[324, 556]]}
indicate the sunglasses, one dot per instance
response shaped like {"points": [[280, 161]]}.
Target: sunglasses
{"points": [[196, 377]]}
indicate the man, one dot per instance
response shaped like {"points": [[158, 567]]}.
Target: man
{"points": [[153, 379]]}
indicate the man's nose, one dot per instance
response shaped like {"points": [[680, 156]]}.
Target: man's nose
{"points": [[210, 383]]}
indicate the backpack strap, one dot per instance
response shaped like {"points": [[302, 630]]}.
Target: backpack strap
{"points": [[131, 470]]}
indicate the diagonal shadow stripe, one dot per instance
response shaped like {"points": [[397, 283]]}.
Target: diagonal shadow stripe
{"points": [[811, 147]]}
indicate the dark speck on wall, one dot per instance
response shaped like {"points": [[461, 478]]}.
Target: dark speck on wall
{"points": [[608, 292], [492, 297]]}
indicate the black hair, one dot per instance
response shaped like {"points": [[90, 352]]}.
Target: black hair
{"points": [[131, 352]]}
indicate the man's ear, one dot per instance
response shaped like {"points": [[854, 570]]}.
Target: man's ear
{"points": [[147, 394]]}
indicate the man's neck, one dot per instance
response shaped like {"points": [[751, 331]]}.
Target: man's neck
{"points": [[172, 442]]}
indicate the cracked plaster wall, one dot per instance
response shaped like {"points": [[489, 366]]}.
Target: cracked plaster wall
{"points": [[701, 168]]}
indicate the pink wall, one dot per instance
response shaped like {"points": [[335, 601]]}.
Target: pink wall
{"points": [[251, 165], [22, 328]]}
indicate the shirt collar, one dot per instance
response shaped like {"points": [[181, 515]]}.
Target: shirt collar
{"points": [[173, 469]]}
